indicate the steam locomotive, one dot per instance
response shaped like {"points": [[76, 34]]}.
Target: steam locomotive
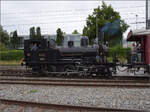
{"points": [[43, 56]]}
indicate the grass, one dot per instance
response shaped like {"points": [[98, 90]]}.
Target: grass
{"points": [[13, 62]]}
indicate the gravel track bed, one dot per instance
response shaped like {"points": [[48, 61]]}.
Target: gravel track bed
{"points": [[86, 96], [14, 108]]}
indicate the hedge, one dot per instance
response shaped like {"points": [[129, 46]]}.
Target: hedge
{"points": [[119, 52], [11, 55], [2, 47]]}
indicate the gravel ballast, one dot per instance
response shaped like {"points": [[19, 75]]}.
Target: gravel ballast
{"points": [[87, 96]]}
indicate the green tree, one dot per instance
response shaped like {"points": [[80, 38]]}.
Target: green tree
{"points": [[107, 20], [59, 37], [38, 32], [4, 37], [75, 32], [32, 33], [14, 40]]}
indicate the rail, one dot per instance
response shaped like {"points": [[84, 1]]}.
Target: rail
{"points": [[58, 107]]}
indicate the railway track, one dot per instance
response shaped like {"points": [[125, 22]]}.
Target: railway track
{"points": [[27, 78], [77, 82], [16, 72], [42, 107], [28, 73]]}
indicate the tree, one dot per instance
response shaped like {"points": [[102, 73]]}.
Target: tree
{"points": [[14, 40], [38, 32], [4, 37], [75, 32], [106, 20], [59, 37], [32, 33]]}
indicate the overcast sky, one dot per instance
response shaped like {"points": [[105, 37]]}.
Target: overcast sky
{"points": [[67, 15]]}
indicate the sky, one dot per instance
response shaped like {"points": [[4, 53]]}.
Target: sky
{"points": [[67, 15]]}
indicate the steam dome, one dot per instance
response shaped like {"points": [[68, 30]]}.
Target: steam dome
{"points": [[84, 41]]}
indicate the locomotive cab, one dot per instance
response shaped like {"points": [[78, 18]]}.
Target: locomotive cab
{"points": [[38, 53]]}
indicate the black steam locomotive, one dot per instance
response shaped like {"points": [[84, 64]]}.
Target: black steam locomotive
{"points": [[43, 56]]}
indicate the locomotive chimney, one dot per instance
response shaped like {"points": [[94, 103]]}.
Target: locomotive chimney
{"points": [[70, 43], [84, 42]]}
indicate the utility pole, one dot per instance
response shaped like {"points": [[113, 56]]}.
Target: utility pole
{"points": [[96, 28], [136, 20], [147, 14]]}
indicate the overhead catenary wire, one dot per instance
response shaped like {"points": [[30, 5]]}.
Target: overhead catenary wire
{"points": [[50, 11], [63, 15], [57, 22], [126, 19], [40, 17], [53, 16], [46, 14], [48, 29], [44, 23]]}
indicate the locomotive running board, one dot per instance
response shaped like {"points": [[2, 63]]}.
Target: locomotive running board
{"points": [[63, 73]]}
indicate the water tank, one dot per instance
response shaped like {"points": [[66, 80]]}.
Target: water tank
{"points": [[84, 42]]}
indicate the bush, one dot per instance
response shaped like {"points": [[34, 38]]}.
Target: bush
{"points": [[119, 52], [2, 47], [11, 55]]}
